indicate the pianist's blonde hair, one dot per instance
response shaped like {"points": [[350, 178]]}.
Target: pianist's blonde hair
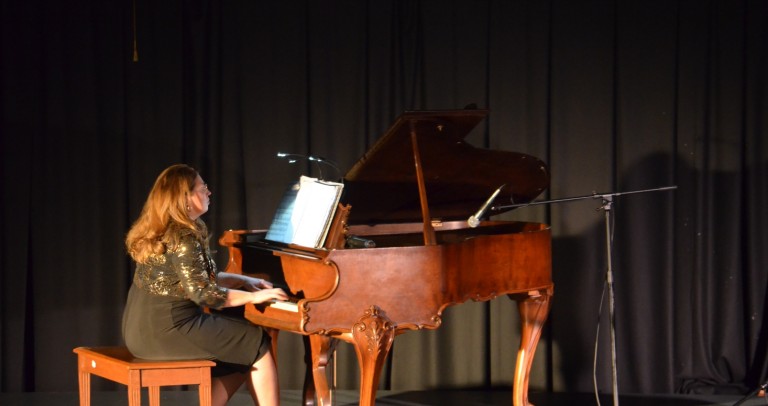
{"points": [[164, 215]]}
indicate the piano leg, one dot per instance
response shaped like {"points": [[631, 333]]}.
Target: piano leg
{"points": [[372, 337], [320, 348], [534, 309], [308, 397]]}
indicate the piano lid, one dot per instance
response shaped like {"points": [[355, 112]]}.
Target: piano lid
{"points": [[382, 186]]}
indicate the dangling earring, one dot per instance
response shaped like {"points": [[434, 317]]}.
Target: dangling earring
{"points": [[188, 209]]}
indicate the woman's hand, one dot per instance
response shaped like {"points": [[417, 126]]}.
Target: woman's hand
{"points": [[265, 295], [242, 282], [255, 284], [239, 297]]}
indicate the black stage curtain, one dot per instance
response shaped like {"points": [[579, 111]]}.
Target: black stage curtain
{"points": [[99, 96]]}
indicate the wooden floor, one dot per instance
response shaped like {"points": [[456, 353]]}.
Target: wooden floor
{"points": [[416, 398]]}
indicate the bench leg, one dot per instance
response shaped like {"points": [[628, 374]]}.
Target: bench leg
{"points": [[84, 380], [205, 387], [205, 395], [154, 396], [134, 387], [134, 395]]}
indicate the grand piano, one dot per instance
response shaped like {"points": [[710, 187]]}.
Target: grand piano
{"points": [[411, 195]]}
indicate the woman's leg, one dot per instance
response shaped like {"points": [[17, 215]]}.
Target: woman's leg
{"points": [[224, 387], [263, 383]]}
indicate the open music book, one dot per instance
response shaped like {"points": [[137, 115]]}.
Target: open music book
{"points": [[305, 213]]}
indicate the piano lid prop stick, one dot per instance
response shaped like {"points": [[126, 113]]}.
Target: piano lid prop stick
{"points": [[429, 231]]}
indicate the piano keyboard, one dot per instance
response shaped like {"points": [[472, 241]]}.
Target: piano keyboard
{"points": [[285, 305]]}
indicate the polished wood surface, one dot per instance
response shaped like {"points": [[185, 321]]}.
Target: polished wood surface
{"points": [[411, 194], [119, 365], [337, 299], [383, 186]]}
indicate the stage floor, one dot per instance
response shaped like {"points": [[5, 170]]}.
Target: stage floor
{"points": [[389, 398]]}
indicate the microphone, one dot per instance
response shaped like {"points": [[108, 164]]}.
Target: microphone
{"points": [[293, 158], [354, 241], [474, 220]]}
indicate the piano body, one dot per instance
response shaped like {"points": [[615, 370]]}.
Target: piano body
{"points": [[411, 194]]}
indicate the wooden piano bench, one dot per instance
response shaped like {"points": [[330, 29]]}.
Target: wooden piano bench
{"points": [[119, 365]]}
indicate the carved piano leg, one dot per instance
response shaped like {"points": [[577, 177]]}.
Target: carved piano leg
{"points": [[320, 349], [534, 309], [308, 396], [309, 386], [372, 337]]}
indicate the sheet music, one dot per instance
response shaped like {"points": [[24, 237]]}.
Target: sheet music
{"points": [[305, 213]]}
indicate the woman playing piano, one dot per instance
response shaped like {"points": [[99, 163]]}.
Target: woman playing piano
{"points": [[176, 276]]}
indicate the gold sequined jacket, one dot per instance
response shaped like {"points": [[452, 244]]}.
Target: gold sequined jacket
{"points": [[185, 271]]}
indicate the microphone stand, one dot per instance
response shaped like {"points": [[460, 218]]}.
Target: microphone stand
{"points": [[607, 204], [751, 394]]}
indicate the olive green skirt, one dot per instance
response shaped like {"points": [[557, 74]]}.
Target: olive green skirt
{"points": [[167, 328]]}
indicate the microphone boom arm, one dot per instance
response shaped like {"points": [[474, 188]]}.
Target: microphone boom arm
{"points": [[594, 195]]}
